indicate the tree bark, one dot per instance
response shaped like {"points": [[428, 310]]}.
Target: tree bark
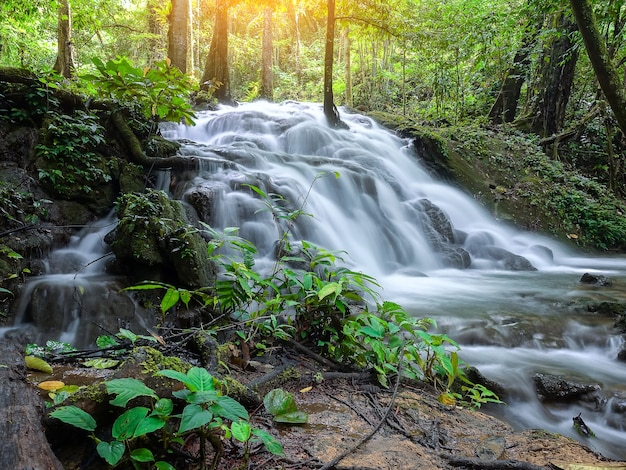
{"points": [[23, 444], [556, 78], [267, 80], [64, 64], [348, 66], [330, 111], [216, 77], [604, 68], [179, 35], [505, 107]]}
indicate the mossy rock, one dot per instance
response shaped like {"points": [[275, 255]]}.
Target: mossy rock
{"points": [[153, 232]]}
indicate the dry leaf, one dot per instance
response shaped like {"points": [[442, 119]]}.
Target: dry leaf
{"points": [[306, 389], [51, 385]]}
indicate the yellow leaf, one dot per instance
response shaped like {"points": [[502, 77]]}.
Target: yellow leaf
{"points": [[36, 363], [51, 385], [446, 399], [306, 389]]}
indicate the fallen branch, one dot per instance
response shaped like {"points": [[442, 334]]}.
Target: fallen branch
{"points": [[313, 355], [480, 464]]}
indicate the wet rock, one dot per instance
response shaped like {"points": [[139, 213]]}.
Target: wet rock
{"points": [[596, 280], [491, 448], [437, 219], [553, 388], [455, 257], [506, 259], [153, 232], [621, 355]]}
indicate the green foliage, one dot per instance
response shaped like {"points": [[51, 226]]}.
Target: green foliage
{"points": [[70, 149], [204, 412], [162, 90], [282, 405], [309, 296]]}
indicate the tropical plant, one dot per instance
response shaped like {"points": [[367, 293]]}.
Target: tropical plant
{"points": [[206, 414]]}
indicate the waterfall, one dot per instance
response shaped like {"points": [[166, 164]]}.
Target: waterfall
{"points": [[512, 299]]}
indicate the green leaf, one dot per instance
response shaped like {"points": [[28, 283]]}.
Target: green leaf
{"points": [[196, 379], [125, 425], [293, 417], [193, 417], [142, 455], [160, 465], [101, 363], [36, 363], [241, 430], [328, 289], [111, 452], [269, 441], [147, 425], [278, 402], [369, 331], [127, 334], [126, 389], [169, 299], [199, 398], [229, 408], [75, 416], [163, 407], [106, 341]]}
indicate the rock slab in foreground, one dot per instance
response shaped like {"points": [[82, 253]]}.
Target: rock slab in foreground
{"points": [[23, 445]]}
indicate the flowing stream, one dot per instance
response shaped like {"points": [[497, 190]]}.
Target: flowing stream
{"points": [[512, 299]]}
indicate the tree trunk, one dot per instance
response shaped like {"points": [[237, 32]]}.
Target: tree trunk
{"points": [[330, 111], [600, 59], [348, 66], [505, 106], [556, 77], [154, 53], [267, 81], [23, 444], [216, 77], [179, 35], [64, 64]]}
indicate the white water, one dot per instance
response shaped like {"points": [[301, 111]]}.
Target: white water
{"points": [[509, 324]]}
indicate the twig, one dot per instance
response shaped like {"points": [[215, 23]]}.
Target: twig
{"points": [[344, 454], [322, 360], [480, 464], [351, 406]]}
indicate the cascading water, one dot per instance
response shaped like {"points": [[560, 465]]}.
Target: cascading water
{"points": [[432, 248], [511, 299], [74, 301]]}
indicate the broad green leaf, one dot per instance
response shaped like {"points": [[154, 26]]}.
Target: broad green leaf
{"points": [[127, 334], [126, 389], [142, 455], [199, 398], [160, 465], [269, 441], [148, 424], [293, 417], [169, 299], [328, 289], [111, 452], [75, 416], [125, 425], [369, 331], [106, 341], [163, 407], [101, 363], [241, 430], [278, 401], [229, 408], [196, 379], [193, 417]]}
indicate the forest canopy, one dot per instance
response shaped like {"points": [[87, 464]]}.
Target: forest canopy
{"points": [[450, 62]]}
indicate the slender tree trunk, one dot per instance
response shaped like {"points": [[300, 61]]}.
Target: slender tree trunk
{"points": [[505, 106], [64, 64], [604, 68], [348, 66], [179, 35], [216, 77], [156, 32], [556, 78], [330, 111], [267, 80]]}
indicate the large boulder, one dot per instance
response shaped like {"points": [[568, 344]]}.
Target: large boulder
{"points": [[153, 232]]}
